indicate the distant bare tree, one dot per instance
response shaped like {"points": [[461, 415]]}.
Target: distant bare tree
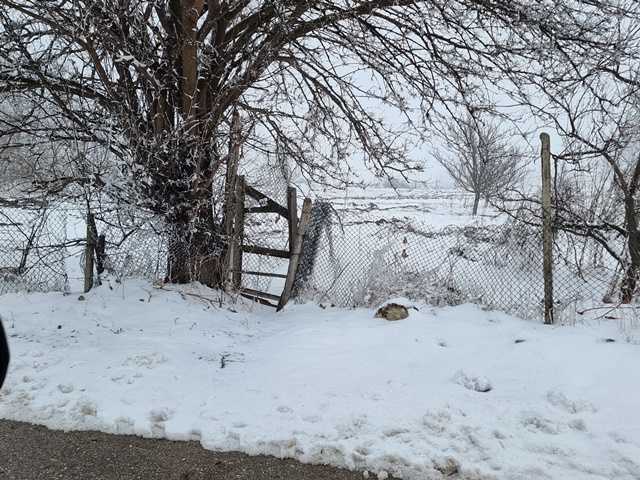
{"points": [[480, 158]]}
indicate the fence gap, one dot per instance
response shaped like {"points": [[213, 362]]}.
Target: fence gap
{"points": [[547, 233]]}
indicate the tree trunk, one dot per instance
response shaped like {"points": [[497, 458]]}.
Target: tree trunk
{"points": [[196, 244], [630, 281], [195, 256], [476, 202]]}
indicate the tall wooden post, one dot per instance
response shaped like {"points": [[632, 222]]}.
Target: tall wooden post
{"points": [[547, 233], [233, 160], [295, 253], [292, 206], [238, 234], [232, 171], [89, 252]]}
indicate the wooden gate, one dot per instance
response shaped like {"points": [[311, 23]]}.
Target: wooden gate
{"points": [[237, 192]]}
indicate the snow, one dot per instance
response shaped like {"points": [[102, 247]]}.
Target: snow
{"points": [[448, 390], [432, 207]]}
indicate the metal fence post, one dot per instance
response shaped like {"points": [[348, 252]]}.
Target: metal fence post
{"points": [[547, 234]]}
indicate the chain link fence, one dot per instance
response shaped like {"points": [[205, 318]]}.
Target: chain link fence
{"points": [[33, 243], [136, 245], [355, 260], [351, 259]]}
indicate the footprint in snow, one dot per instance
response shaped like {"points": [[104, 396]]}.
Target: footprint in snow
{"points": [[560, 400], [284, 409], [474, 383], [537, 423], [578, 424], [66, 388]]}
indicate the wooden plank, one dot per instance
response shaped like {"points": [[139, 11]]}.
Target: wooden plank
{"points": [[273, 205], [270, 252], [259, 300], [258, 293], [295, 254], [263, 274], [292, 206], [547, 234], [263, 209]]}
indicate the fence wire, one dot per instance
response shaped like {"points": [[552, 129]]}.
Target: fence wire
{"points": [[350, 259], [33, 242], [267, 230], [354, 260], [134, 247]]}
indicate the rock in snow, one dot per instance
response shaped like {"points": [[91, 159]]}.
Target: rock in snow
{"points": [[392, 312]]}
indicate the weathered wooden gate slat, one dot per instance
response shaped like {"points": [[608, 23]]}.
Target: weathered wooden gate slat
{"points": [[262, 274], [258, 293], [273, 207], [270, 252]]}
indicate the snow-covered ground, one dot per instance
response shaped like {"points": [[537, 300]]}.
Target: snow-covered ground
{"points": [[430, 207], [448, 389]]}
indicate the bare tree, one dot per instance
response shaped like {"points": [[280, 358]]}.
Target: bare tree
{"points": [[480, 158], [140, 93]]}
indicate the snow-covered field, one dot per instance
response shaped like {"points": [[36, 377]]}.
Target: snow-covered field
{"points": [[432, 207], [455, 389]]}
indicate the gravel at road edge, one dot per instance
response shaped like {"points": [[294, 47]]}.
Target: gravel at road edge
{"points": [[29, 452]]}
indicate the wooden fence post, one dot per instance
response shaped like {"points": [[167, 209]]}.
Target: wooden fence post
{"points": [[233, 159], [89, 252], [295, 253], [292, 206], [547, 233], [230, 197], [238, 234]]}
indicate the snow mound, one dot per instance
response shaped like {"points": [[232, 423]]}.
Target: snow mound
{"points": [[410, 400]]}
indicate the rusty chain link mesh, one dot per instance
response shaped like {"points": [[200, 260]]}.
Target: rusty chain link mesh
{"points": [[353, 260]]}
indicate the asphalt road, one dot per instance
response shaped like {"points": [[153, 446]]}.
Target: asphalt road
{"points": [[29, 452]]}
